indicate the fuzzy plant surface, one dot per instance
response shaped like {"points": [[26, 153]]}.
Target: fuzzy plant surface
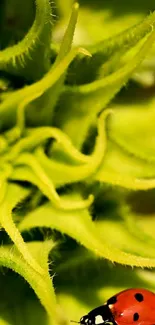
{"points": [[77, 156]]}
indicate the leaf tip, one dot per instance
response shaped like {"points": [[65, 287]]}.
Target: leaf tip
{"points": [[84, 51]]}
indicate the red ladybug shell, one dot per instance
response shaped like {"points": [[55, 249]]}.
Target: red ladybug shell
{"points": [[129, 307], [133, 306]]}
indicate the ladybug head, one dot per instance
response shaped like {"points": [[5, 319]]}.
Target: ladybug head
{"points": [[84, 320], [98, 316]]}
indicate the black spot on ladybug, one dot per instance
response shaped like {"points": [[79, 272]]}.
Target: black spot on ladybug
{"points": [[112, 300], [135, 317], [139, 297]]}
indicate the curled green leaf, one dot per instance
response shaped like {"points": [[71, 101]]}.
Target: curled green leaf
{"points": [[46, 186], [9, 107]]}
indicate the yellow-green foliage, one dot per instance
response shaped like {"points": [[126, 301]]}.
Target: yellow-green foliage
{"points": [[77, 159]]}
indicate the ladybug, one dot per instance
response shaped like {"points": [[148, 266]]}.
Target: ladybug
{"points": [[128, 307]]}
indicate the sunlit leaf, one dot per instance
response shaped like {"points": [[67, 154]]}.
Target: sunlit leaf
{"points": [[127, 131], [78, 225], [89, 99]]}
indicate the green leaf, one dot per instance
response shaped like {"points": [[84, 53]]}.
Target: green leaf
{"points": [[42, 285], [108, 53], [145, 73], [35, 137], [21, 98], [134, 227], [69, 34], [129, 160], [57, 151], [146, 224], [50, 95], [79, 226], [76, 171], [88, 100], [126, 241], [125, 170], [127, 131], [110, 17], [11, 196], [46, 173], [37, 176], [43, 93], [30, 58]]}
